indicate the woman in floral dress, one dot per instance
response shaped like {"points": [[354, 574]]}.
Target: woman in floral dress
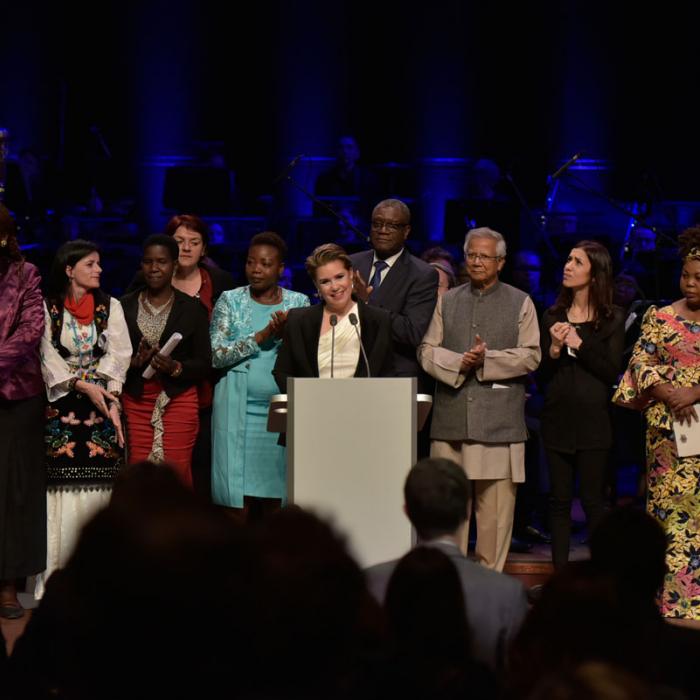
{"points": [[663, 377]]}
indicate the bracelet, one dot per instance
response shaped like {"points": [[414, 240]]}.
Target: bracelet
{"points": [[117, 404], [72, 382], [177, 371]]}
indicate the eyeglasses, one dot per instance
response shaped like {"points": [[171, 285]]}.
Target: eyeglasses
{"points": [[391, 226], [478, 257]]}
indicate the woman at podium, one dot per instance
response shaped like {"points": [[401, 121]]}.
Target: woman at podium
{"points": [[341, 337]]}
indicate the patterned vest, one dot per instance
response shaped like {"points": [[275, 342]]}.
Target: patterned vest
{"points": [[55, 307]]}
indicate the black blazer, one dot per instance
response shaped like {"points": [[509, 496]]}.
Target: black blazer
{"points": [[221, 281], [576, 412], [409, 294], [187, 317], [298, 354]]}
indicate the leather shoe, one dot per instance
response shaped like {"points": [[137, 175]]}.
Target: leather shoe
{"points": [[537, 535], [519, 546], [11, 611], [534, 593]]}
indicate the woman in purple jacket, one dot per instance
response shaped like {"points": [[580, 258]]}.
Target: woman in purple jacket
{"points": [[22, 485]]}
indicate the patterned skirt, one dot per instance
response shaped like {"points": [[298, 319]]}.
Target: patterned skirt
{"points": [[674, 500], [81, 445]]}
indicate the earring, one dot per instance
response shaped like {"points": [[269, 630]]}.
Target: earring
{"points": [[3, 243]]}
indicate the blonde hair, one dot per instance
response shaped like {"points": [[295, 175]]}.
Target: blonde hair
{"points": [[324, 254]]}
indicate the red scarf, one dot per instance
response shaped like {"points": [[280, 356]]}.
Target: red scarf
{"points": [[83, 311]]}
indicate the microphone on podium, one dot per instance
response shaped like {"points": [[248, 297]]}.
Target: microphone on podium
{"points": [[334, 322], [354, 322]]}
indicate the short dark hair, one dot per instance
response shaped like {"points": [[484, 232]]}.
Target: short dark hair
{"points": [[436, 494], [166, 241], [67, 256], [272, 239], [191, 222]]}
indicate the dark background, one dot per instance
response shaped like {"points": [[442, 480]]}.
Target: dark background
{"points": [[527, 84]]}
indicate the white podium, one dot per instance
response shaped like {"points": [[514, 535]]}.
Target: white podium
{"points": [[350, 444]]}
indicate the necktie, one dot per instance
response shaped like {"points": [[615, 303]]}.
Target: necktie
{"points": [[377, 276]]}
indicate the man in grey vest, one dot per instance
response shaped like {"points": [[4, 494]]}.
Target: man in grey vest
{"points": [[482, 341]]}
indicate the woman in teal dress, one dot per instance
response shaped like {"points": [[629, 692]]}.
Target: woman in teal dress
{"points": [[248, 466]]}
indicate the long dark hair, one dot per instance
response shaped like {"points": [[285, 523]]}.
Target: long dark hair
{"points": [[600, 293], [8, 233], [67, 255]]}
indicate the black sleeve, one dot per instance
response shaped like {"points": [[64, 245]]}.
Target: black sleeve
{"points": [[221, 281], [386, 366], [198, 365], [601, 354], [284, 364], [410, 324]]}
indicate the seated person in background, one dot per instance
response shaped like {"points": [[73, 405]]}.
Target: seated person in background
{"points": [[308, 348], [436, 494], [431, 652], [629, 546], [443, 261], [150, 549], [527, 275], [347, 178], [440, 255]]}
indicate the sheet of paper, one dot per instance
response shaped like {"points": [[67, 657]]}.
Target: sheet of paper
{"points": [[688, 436]]}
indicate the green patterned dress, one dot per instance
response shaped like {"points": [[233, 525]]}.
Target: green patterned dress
{"points": [[668, 350]]}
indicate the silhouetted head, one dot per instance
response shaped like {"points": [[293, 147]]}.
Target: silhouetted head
{"points": [[436, 493]]}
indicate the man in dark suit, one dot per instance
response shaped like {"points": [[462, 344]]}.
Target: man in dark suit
{"points": [[389, 277], [436, 493]]}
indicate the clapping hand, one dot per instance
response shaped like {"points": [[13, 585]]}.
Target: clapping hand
{"points": [[161, 363], [572, 339], [144, 354], [558, 332], [360, 287], [474, 358], [277, 323], [274, 329]]}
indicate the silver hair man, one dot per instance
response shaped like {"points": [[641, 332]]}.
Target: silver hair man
{"points": [[485, 232]]}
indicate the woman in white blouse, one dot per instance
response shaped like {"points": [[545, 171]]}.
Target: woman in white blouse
{"points": [[85, 354], [324, 340]]}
